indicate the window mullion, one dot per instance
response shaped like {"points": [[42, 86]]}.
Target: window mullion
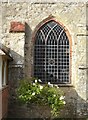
{"points": [[45, 58], [57, 50]]}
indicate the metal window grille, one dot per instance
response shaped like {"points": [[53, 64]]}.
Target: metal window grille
{"points": [[52, 54]]}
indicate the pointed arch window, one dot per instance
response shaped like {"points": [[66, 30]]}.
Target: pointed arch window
{"points": [[52, 54]]}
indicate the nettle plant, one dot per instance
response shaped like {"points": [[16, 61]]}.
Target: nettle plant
{"points": [[32, 91]]}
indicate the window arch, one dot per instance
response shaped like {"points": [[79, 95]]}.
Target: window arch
{"points": [[52, 58]]}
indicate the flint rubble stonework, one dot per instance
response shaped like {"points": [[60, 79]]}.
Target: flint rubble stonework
{"points": [[74, 17]]}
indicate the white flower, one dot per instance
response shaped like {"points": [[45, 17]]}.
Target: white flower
{"points": [[56, 85], [35, 81], [49, 83], [64, 102], [62, 97], [54, 95], [41, 87], [33, 93], [39, 80]]}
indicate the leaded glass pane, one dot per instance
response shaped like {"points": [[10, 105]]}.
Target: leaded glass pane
{"points": [[52, 54]]}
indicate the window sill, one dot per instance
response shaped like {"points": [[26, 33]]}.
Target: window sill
{"points": [[65, 85], [62, 85]]}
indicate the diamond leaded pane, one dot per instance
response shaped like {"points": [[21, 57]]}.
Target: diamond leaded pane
{"points": [[52, 54]]}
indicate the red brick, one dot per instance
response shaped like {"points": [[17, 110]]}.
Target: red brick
{"points": [[17, 27]]}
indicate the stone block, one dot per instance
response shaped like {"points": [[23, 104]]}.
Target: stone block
{"points": [[17, 27]]}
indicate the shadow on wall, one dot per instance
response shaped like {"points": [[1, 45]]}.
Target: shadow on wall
{"points": [[33, 111], [75, 105], [28, 50], [17, 58], [18, 68], [16, 72], [18, 111]]}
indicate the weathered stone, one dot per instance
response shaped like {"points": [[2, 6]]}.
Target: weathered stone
{"points": [[74, 18], [17, 27]]}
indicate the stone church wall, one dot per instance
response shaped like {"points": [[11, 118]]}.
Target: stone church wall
{"points": [[72, 15]]}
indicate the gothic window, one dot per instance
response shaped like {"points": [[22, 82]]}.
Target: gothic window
{"points": [[52, 54]]}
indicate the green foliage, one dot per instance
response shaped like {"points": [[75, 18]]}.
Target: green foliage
{"points": [[32, 91]]}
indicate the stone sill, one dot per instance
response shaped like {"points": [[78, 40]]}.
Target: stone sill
{"points": [[65, 85]]}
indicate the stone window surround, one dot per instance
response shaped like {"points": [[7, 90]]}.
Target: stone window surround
{"points": [[68, 35]]}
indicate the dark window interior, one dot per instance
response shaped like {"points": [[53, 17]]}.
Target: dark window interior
{"points": [[52, 54]]}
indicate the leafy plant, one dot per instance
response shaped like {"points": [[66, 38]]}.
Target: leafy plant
{"points": [[32, 91]]}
